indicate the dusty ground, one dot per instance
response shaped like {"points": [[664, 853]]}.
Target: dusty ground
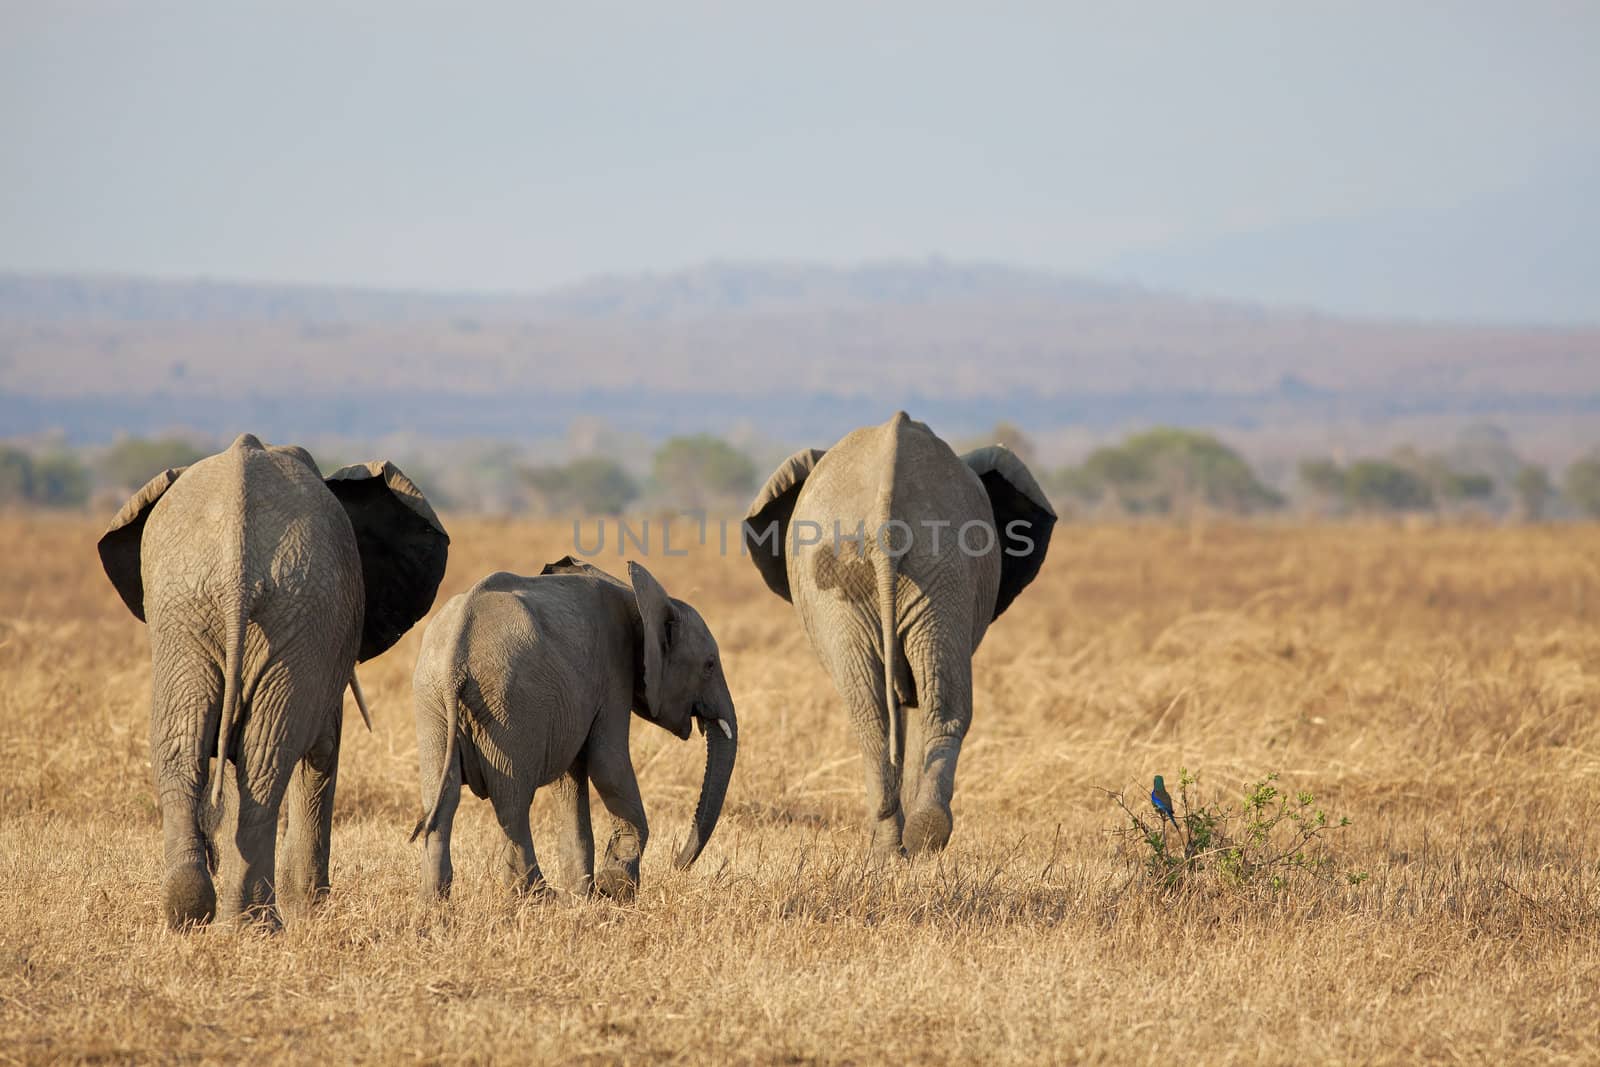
{"points": [[1441, 687]]}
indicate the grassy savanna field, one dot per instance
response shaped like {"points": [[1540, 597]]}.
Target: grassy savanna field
{"points": [[1439, 686]]}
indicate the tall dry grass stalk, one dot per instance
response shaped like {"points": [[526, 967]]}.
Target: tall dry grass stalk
{"points": [[1440, 686]]}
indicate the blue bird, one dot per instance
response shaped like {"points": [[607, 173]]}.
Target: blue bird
{"points": [[1163, 802]]}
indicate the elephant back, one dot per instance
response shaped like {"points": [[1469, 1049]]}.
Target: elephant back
{"points": [[365, 537], [257, 517]]}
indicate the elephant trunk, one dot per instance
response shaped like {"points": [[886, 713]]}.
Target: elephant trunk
{"points": [[722, 745]]}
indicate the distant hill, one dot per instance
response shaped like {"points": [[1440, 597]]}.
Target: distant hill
{"points": [[798, 349], [736, 288], [712, 289], [90, 300]]}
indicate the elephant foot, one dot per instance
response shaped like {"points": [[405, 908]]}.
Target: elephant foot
{"points": [[305, 901], [884, 833], [262, 918], [188, 897], [537, 891], [887, 846], [616, 883], [437, 872], [928, 830]]}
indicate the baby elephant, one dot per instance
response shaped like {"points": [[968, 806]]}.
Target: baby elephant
{"points": [[526, 681]]}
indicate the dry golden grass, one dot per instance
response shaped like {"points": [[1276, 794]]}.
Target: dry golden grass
{"points": [[1440, 686]]}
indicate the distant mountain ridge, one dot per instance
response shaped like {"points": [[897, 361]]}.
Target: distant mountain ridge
{"points": [[70, 298], [709, 289], [708, 346], [722, 288]]}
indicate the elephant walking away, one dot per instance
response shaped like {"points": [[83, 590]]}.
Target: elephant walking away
{"points": [[897, 555], [263, 584], [523, 682]]}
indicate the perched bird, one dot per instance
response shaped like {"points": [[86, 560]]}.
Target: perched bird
{"points": [[1163, 802]]}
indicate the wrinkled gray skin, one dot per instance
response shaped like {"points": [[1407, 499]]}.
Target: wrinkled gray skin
{"points": [[895, 621], [523, 682], [247, 568]]}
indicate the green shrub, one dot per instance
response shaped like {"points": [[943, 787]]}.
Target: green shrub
{"points": [[60, 481], [131, 462], [1533, 489], [694, 470], [1380, 485], [1323, 476], [1456, 485], [16, 476], [1583, 485], [1168, 469], [1271, 837], [593, 485]]}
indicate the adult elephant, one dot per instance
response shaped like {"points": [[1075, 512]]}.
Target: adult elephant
{"points": [[263, 584], [897, 554]]}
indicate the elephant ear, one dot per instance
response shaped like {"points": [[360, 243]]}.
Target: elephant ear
{"points": [[1016, 498], [120, 545], [657, 622], [766, 524], [403, 548], [574, 565]]}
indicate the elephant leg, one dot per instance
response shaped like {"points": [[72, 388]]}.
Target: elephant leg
{"points": [[437, 873], [519, 867], [306, 844], [432, 744], [862, 691], [575, 845], [847, 644], [934, 732], [611, 769], [247, 863], [263, 765], [184, 706], [222, 823], [187, 892]]}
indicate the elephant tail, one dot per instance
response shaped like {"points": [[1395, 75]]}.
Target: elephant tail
{"points": [[236, 621], [232, 667], [452, 724], [887, 580], [886, 570]]}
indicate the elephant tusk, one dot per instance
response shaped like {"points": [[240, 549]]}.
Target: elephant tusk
{"points": [[727, 731], [361, 700]]}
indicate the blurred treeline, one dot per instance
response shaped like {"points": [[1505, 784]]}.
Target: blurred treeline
{"points": [[1161, 471]]}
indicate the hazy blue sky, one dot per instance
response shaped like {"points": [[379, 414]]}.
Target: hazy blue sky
{"points": [[515, 147]]}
